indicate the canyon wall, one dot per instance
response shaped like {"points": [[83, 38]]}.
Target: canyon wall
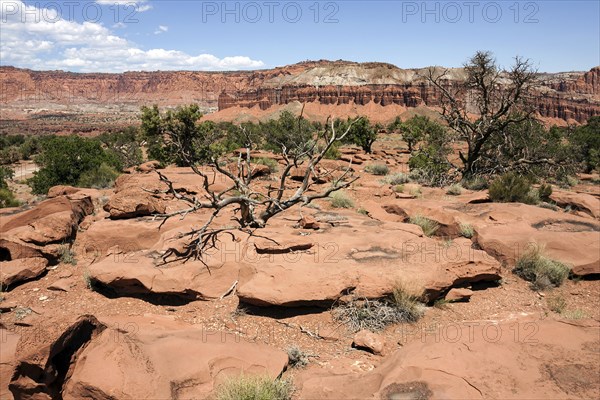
{"points": [[34, 95], [570, 96]]}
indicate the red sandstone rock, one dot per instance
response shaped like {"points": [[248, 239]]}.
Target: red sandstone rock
{"points": [[456, 362], [368, 340], [459, 294]]}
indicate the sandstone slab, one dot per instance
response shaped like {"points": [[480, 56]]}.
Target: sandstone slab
{"points": [[140, 357], [476, 360]]}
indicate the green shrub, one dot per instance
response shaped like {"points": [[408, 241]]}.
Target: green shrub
{"points": [[295, 133], [466, 230], [416, 192], [541, 271], [254, 388], [340, 199], [585, 141], [333, 153], [475, 183], [544, 191], [377, 169], [397, 179], [398, 188], [511, 188], [64, 159], [100, 178], [362, 133], [429, 227], [124, 145], [7, 199], [572, 181], [454, 189], [6, 173]]}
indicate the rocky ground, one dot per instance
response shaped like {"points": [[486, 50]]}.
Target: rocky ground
{"points": [[89, 311]]}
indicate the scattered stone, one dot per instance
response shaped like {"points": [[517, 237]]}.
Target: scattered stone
{"points": [[308, 222], [366, 340], [459, 294], [63, 285]]}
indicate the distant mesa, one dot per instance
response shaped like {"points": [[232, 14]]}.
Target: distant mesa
{"points": [[97, 101]]}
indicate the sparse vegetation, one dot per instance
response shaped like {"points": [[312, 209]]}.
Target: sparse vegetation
{"points": [[340, 199], [408, 301], [67, 256], [549, 206], [511, 187], [572, 181], [87, 279], [403, 305], [475, 183], [540, 270], [21, 312], [466, 230], [377, 169], [250, 387], [574, 314], [557, 303], [429, 226], [297, 358], [454, 189], [416, 192], [398, 188], [397, 179]]}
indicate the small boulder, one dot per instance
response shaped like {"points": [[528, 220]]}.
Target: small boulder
{"points": [[148, 166], [63, 285], [366, 340], [61, 190], [459, 294], [134, 202], [24, 269], [308, 222]]}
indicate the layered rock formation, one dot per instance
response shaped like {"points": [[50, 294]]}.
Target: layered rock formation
{"points": [[103, 98]]}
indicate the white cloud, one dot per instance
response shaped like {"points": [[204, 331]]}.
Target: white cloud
{"points": [[91, 47], [161, 29]]}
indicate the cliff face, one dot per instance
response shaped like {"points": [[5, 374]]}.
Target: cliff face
{"points": [[567, 96], [27, 94]]}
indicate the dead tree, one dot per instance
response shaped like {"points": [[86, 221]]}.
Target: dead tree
{"points": [[252, 209], [496, 98]]}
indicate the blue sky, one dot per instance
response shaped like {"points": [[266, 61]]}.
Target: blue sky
{"points": [[120, 35]]}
